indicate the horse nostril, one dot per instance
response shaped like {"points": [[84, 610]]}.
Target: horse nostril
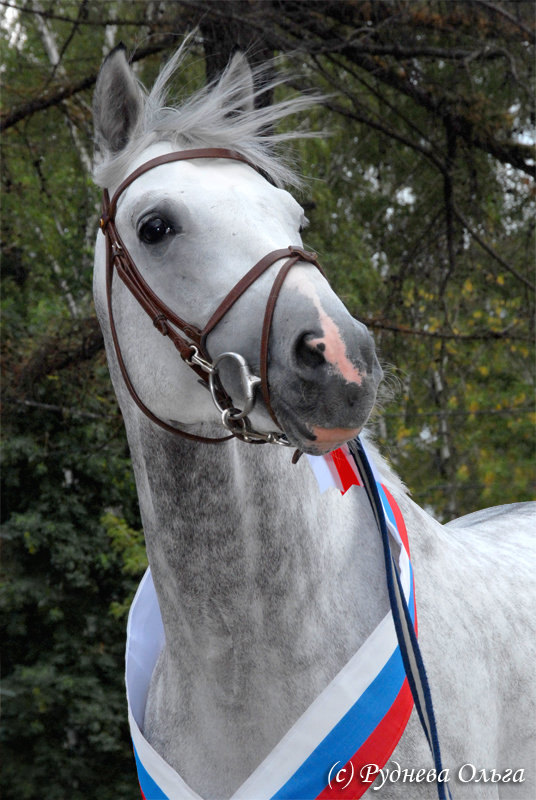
{"points": [[309, 350], [353, 394]]}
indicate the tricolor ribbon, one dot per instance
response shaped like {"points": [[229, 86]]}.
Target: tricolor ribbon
{"points": [[356, 721]]}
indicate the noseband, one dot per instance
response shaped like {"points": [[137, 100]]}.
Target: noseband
{"points": [[193, 349]]}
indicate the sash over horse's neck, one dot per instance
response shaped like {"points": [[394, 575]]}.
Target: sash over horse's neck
{"points": [[364, 737]]}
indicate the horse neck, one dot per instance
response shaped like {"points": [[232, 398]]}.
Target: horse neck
{"points": [[242, 546]]}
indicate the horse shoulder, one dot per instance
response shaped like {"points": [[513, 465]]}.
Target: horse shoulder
{"points": [[474, 584]]}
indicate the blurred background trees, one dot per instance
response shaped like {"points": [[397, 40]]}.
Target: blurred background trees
{"points": [[421, 204]]}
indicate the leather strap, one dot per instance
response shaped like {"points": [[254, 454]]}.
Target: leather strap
{"points": [[168, 158], [266, 328], [110, 260], [297, 254], [243, 284]]}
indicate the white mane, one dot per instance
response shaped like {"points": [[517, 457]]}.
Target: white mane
{"points": [[214, 116]]}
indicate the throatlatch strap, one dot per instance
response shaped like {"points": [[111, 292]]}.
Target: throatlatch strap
{"points": [[407, 640]]}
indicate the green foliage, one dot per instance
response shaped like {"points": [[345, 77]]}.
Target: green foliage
{"points": [[63, 706], [129, 544]]}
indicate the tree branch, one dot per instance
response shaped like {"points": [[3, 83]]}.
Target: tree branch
{"points": [[508, 152], [379, 126], [63, 410], [489, 249], [497, 9], [24, 110], [96, 21], [382, 324], [336, 38], [80, 343]]}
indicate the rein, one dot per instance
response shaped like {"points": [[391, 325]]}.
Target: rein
{"points": [[191, 342], [405, 629]]}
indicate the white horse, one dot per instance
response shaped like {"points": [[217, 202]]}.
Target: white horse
{"points": [[267, 587]]}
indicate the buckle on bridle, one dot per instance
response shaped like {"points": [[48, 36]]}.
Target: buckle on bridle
{"points": [[198, 361], [305, 255]]}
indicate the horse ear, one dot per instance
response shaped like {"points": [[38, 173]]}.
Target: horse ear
{"points": [[237, 82], [117, 104]]}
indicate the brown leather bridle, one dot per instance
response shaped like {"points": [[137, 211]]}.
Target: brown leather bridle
{"points": [[193, 349]]}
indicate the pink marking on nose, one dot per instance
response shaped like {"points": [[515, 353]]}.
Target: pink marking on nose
{"points": [[334, 350]]}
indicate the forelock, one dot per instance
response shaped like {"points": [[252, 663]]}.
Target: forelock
{"points": [[207, 119]]}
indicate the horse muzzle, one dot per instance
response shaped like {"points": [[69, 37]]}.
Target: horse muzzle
{"points": [[324, 377], [318, 369]]}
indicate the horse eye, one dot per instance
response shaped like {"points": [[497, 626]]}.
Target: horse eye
{"points": [[154, 230]]}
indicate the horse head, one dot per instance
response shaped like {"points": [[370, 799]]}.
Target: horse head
{"points": [[190, 230]]}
